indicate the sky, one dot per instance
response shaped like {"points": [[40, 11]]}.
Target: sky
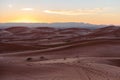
{"points": [[48, 11]]}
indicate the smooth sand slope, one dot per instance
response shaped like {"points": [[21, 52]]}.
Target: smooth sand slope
{"points": [[98, 61], [97, 48], [58, 69]]}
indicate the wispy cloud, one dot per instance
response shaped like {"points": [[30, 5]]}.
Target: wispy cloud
{"points": [[75, 12], [27, 9]]}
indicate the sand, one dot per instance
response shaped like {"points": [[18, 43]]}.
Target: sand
{"points": [[89, 62]]}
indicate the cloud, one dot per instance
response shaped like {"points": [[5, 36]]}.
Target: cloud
{"points": [[75, 12], [10, 5], [27, 9]]}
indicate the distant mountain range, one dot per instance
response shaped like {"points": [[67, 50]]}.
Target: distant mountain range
{"points": [[56, 25]]}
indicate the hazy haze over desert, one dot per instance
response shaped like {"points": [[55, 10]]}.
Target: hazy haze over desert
{"points": [[59, 40]]}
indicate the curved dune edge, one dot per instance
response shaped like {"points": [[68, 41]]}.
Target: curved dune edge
{"points": [[78, 44]]}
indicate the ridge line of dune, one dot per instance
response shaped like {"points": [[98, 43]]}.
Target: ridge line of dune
{"points": [[57, 48]]}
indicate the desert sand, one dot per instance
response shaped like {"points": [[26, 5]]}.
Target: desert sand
{"points": [[86, 63], [96, 58]]}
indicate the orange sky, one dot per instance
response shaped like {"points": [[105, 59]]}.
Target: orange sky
{"points": [[16, 11], [96, 19]]}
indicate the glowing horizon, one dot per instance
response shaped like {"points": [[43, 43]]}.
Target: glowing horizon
{"points": [[49, 11]]}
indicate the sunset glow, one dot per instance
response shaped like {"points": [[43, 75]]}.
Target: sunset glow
{"points": [[32, 11], [25, 21]]}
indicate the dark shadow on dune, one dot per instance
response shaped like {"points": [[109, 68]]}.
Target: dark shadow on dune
{"points": [[114, 62]]}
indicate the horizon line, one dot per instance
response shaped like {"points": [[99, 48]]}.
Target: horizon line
{"points": [[51, 23]]}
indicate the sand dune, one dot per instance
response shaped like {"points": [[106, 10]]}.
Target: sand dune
{"points": [[61, 56], [72, 63], [58, 69]]}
